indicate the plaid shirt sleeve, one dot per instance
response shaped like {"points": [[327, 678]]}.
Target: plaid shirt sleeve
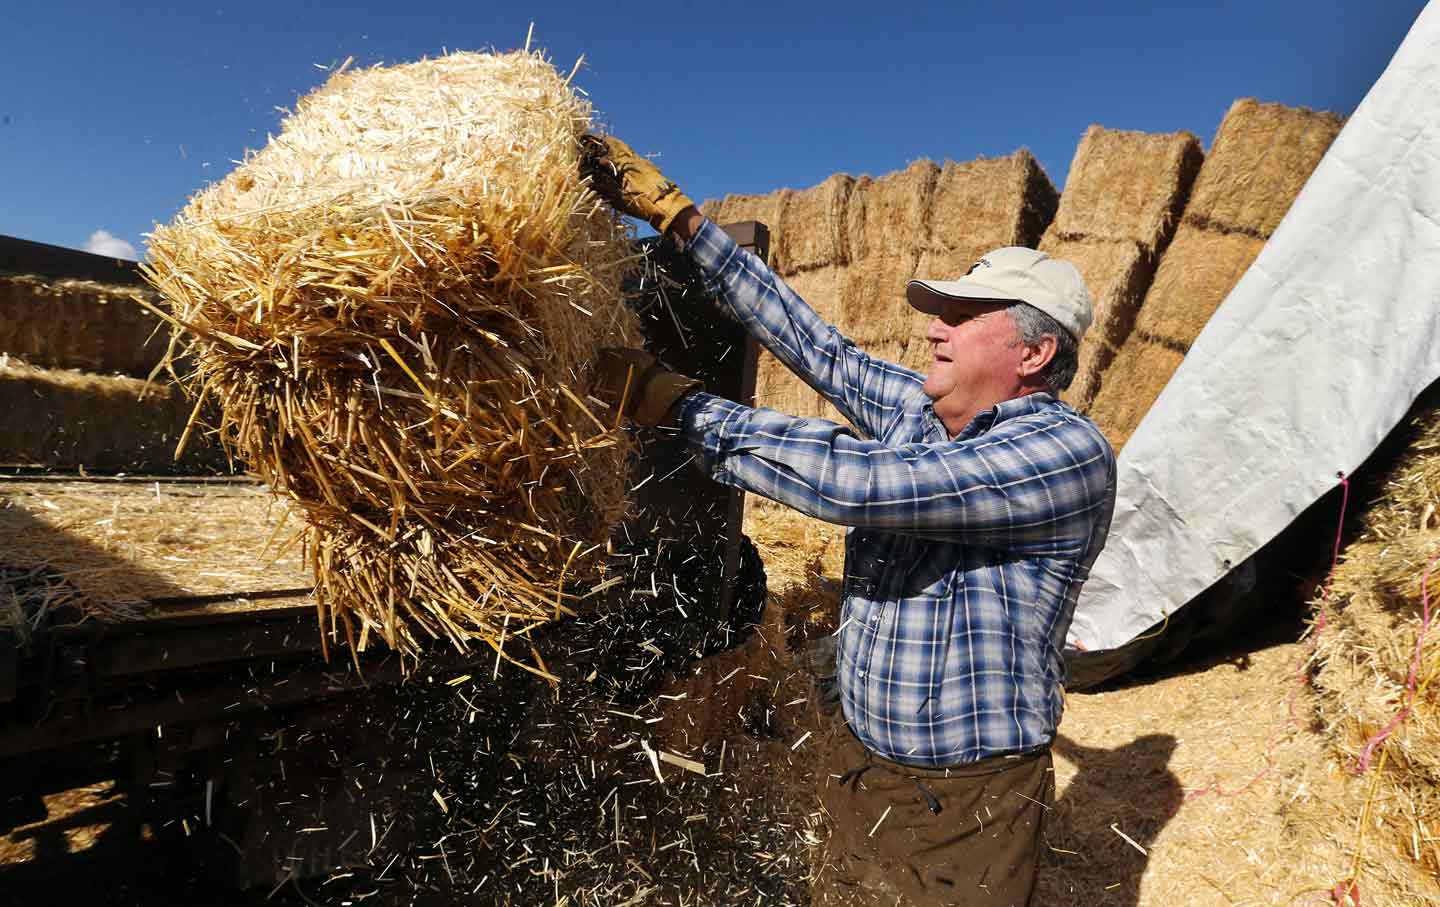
{"points": [[867, 391], [1032, 485]]}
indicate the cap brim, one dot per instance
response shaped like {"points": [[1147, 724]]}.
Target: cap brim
{"points": [[930, 296]]}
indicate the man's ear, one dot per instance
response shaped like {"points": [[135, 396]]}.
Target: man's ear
{"points": [[1035, 356]]}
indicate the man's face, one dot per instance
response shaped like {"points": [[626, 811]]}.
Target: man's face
{"points": [[975, 360]]}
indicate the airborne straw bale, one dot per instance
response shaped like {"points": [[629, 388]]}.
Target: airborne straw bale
{"points": [[396, 303]]}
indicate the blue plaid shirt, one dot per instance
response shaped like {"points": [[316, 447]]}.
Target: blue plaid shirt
{"points": [[966, 555]]}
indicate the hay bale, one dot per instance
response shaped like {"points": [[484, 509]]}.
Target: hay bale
{"points": [[396, 303], [107, 329], [848, 247], [113, 545], [1323, 802], [75, 421], [872, 300], [982, 205], [1125, 185], [1117, 273], [886, 227], [821, 288], [1409, 498], [933, 222], [815, 225], [1122, 201], [1372, 621], [1198, 271], [777, 388], [887, 217], [1196, 274], [1146, 365], [809, 254], [1261, 157], [712, 208]]}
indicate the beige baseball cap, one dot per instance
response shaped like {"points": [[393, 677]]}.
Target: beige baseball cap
{"points": [[1014, 274]]}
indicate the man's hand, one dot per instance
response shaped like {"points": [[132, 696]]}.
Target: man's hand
{"points": [[631, 184], [639, 385]]}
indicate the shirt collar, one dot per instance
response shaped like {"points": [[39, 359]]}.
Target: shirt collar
{"points": [[985, 420]]}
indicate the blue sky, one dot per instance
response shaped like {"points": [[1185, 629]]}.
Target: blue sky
{"points": [[112, 115]]}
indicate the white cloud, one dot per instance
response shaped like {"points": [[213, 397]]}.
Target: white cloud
{"points": [[102, 243]]}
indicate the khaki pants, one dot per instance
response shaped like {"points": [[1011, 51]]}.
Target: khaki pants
{"points": [[961, 836]]}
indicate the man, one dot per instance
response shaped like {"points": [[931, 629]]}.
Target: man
{"points": [[977, 502]]}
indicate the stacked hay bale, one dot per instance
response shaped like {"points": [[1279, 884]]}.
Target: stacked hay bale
{"points": [[107, 327], [1121, 204], [396, 304], [887, 224], [773, 386], [1369, 809], [815, 259], [70, 420], [1262, 155], [934, 222], [75, 398]]}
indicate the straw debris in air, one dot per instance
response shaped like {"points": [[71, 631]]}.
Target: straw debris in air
{"points": [[396, 304]]}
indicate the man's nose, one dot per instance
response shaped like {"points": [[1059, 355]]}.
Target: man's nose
{"points": [[936, 330]]}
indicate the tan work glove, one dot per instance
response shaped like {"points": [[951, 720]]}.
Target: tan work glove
{"points": [[635, 381], [631, 184]]}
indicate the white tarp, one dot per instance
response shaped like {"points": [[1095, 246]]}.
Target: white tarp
{"points": [[1313, 357]]}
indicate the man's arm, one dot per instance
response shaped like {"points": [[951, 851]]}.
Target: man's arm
{"points": [[686, 224], [868, 391], [1031, 485]]}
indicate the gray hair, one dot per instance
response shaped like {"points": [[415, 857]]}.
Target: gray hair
{"points": [[1031, 325]]}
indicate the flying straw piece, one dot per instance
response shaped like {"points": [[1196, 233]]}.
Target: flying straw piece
{"points": [[396, 304]]}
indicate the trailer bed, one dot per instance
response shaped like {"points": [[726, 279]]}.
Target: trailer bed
{"points": [[140, 549]]}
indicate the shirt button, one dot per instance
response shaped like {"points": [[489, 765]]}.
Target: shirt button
{"points": [[862, 673]]}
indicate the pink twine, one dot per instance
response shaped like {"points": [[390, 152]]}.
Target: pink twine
{"points": [[1339, 534], [1362, 765], [1320, 621]]}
